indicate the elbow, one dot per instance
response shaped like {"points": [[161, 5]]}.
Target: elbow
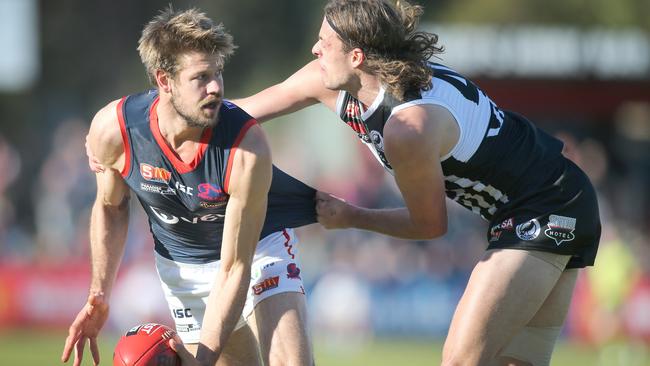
{"points": [[431, 231], [114, 208], [237, 269]]}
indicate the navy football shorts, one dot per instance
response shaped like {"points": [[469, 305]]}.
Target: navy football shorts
{"points": [[560, 218]]}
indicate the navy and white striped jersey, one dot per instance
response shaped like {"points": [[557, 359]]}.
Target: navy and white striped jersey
{"points": [[186, 202], [500, 158]]}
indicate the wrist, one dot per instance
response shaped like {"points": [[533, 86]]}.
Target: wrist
{"points": [[97, 298], [354, 216]]}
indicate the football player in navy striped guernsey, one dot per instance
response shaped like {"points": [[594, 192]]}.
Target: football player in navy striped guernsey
{"points": [[440, 135], [220, 213]]}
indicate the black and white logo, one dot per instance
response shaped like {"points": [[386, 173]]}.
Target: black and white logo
{"points": [[528, 230], [560, 228], [377, 139]]}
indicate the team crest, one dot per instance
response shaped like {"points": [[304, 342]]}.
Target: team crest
{"points": [[377, 140], [560, 228], [293, 271], [528, 230]]}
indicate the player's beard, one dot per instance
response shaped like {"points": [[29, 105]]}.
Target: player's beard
{"points": [[197, 118]]}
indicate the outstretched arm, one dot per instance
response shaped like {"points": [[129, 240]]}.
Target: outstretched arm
{"points": [[248, 188], [300, 90], [412, 142], [108, 227]]}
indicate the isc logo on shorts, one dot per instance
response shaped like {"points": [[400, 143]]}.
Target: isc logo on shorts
{"points": [[266, 284], [181, 313]]}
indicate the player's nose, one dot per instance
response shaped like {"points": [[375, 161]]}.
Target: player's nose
{"points": [[316, 50], [214, 87]]}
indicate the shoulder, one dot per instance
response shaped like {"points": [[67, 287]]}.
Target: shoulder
{"points": [[252, 164], [418, 126], [255, 143], [230, 111], [105, 136]]}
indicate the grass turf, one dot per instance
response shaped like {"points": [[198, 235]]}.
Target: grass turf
{"points": [[31, 348]]}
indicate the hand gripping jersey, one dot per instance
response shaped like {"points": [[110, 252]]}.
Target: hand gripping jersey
{"points": [[500, 157], [186, 202], [502, 168]]}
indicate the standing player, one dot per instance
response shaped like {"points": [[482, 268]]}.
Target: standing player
{"points": [[439, 134], [201, 168]]}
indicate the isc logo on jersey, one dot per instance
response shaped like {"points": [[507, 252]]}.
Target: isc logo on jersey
{"points": [[154, 173]]}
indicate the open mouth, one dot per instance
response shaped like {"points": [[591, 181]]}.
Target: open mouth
{"points": [[210, 106]]}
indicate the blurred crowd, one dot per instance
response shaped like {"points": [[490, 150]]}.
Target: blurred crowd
{"points": [[361, 284]]}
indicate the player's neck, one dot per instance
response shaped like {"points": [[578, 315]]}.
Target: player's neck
{"points": [[366, 89], [174, 128]]}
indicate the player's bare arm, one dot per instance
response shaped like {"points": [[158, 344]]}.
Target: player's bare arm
{"points": [[248, 188], [414, 139], [108, 228], [300, 90]]}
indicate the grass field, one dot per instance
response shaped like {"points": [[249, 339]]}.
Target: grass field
{"points": [[34, 348]]}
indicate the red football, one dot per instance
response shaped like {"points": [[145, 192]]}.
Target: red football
{"points": [[146, 345]]}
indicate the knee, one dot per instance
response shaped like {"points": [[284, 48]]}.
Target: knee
{"points": [[457, 360], [465, 355], [293, 358], [510, 361]]}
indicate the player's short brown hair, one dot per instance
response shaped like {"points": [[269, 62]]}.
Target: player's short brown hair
{"points": [[170, 34], [386, 33]]}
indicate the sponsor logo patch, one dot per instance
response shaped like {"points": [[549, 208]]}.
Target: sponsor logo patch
{"points": [[185, 189], [266, 284], [186, 328], [229, 104], [528, 230], [560, 228], [211, 192], [153, 188], [171, 219], [496, 230], [154, 173], [204, 204], [182, 313]]}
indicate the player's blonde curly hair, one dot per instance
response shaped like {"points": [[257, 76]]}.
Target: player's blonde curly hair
{"points": [[170, 34], [386, 33]]}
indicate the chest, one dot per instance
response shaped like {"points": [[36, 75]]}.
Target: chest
{"points": [[157, 182]]}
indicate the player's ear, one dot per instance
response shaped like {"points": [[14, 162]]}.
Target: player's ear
{"points": [[163, 80], [357, 57]]}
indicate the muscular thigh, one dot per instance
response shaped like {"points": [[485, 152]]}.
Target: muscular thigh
{"points": [[240, 350], [506, 290], [534, 344], [281, 324]]}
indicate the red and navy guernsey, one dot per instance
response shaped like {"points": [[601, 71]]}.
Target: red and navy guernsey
{"points": [[186, 202]]}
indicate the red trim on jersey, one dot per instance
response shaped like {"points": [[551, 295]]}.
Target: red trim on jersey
{"points": [[125, 138], [180, 166], [286, 243], [233, 150]]}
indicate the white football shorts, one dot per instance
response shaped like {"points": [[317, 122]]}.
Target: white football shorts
{"points": [[186, 286]]}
